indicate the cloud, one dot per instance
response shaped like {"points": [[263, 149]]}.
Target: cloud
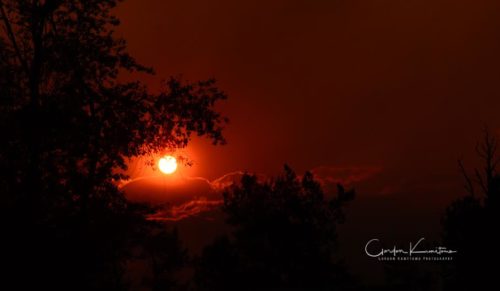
{"points": [[166, 190], [437, 184], [347, 176], [227, 180], [185, 210], [195, 196], [204, 196], [177, 198], [231, 179]]}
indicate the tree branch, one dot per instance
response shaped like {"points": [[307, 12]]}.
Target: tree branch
{"points": [[469, 187], [481, 183], [12, 38]]}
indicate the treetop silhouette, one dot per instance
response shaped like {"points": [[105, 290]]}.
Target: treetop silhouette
{"points": [[68, 122]]}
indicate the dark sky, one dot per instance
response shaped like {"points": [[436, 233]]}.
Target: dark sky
{"points": [[405, 86]]}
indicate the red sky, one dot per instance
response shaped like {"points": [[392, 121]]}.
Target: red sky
{"points": [[405, 86], [386, 94]]}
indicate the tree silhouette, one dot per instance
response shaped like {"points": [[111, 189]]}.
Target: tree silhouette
{"points": [[166, 255], [411, 275], [284, 238], [68, 123], [470, 223]]}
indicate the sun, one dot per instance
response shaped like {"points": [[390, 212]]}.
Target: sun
{"points": [[167, 164]]}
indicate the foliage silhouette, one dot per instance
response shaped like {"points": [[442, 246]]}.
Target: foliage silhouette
{"points": [[470, 224], [412, 276], [284, 238], [68, 123]]}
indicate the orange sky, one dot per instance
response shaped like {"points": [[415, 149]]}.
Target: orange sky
{"points": [[401, 85], [383, 94]]}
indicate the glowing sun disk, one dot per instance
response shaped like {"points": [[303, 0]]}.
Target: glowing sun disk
{"points": [[167, 164]]}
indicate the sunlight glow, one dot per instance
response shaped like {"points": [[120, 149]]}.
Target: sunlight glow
{"points": [[167, 164]]}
